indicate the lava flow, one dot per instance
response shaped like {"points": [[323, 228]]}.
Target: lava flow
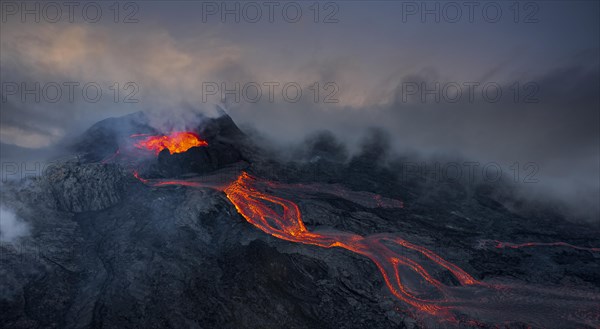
{"points": [[252, 204], [409, 271], [501, 245], [176, 142]]}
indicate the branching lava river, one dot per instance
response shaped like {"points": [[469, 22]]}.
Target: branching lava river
{"points": [[415, 275], [409, 271]]}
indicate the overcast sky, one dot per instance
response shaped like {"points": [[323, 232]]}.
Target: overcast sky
{"points": [[373, 54]]}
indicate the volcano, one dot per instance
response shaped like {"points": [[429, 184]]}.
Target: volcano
{"points": [[204, 228], [176, 142]]}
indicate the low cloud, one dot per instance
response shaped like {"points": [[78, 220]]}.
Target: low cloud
{"points": [[12, 228], [560, 133]]}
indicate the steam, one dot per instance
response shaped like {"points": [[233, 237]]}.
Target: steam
{"points": [[11, 227], [560, 133], [181, 118]]}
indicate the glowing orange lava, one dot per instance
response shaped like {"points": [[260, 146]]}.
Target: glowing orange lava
{"points": [[137, 175], [259, 209], [252, 205], [176, 142], [501, 245], [409, 271]]}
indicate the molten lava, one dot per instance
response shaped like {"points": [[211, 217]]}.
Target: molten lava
{"points": [[411, 272], [176, 142], [281, 218], [511, 245], [252, 204], [137, 175]]}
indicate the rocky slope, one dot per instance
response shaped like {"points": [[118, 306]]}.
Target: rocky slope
{"points": [[107, 251]]}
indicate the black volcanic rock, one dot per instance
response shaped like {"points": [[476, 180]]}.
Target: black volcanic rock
{"points": [[78, 188], [226, 143], [103, 138], [200, 160], [107, 251]]}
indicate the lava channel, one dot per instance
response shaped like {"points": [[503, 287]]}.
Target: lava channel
{"points": [[409, 271]]}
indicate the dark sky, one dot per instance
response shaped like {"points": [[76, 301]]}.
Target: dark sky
{"points": [[371, 51]]}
